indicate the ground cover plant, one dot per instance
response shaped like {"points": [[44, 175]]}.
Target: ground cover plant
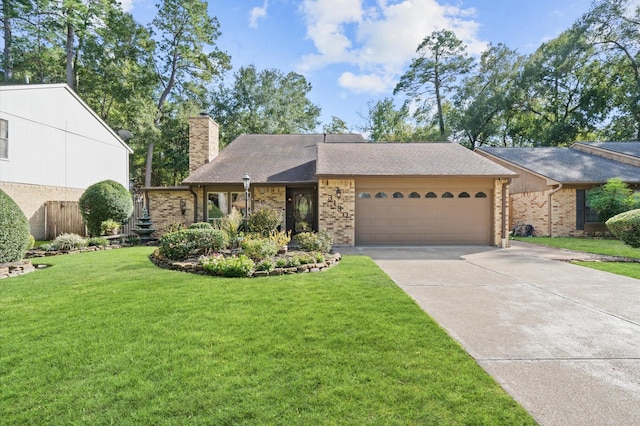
{"points": [[108, 338], [601, 246]]}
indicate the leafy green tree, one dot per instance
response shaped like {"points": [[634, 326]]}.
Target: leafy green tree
{"points": [[613, 27], [486, 99], [385, 123], [102, 201], [336, 126], [566, 90], [186, 57], [14, 230], [610, 199], [442, 60], [266, 101]]}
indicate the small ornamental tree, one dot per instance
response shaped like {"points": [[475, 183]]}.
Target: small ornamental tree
{"points": [[14, 230], [610, 199], [103, 201]]}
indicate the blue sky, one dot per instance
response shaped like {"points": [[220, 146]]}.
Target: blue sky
{"points": [[354, 51]]}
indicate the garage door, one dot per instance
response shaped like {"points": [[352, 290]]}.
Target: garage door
{"points": [[423, 212]]}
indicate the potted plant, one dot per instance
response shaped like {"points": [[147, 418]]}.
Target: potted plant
{"points": [[109, 227], [281, 239]]}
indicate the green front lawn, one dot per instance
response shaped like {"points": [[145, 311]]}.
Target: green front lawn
{"points": [[108, 338], [597, 246]]}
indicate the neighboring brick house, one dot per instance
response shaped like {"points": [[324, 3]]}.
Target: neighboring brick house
{"points": [[362, 193], [550, 191], [52, 147]]}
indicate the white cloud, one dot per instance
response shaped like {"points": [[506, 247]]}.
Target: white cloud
{"points": [[378, 38], [364, 83], [127, 5], [257, 13]]}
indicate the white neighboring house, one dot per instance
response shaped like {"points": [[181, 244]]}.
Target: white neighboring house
{"points": [[52, 147]]}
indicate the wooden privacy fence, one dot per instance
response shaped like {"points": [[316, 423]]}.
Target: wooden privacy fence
{"points": [[64, 217]]}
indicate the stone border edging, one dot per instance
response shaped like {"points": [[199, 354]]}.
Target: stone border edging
{"points": [[194, 267]]}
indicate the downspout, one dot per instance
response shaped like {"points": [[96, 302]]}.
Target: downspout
{"points": [[551, 208], [195, 204], [503, 234]]}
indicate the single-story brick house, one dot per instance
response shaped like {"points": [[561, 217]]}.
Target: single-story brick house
{"points": [[362, 193], [549, 192]]}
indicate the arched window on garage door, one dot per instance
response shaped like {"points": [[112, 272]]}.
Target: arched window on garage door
{"points": [[398, 195], [431, 195], [447, 195], [364, 195], [464, 195], [381, 195], [481, 195], [414, 195]]}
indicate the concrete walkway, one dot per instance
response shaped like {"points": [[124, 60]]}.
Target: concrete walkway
{"points": [[563, 340]]}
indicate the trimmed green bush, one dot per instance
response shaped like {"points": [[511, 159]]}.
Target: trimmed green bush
{"points": [[68, 242], [234, 266], [14, 230], [314, 241], [188, 243], [626, 227], [259, 249], [102, 201], [264, 221], [97, 242]]}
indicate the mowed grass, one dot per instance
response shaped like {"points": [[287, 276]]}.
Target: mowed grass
{"points": [[108, 338], [606, 247]]}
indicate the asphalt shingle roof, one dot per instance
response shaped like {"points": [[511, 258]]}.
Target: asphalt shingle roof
{"points": [[267, 159], [404, 159], [631, 148], [566, 165]]}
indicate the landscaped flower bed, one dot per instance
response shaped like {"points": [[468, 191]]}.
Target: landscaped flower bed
{"points": [[288, 262]]}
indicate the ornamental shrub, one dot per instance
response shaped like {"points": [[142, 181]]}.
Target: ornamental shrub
{"points": [[611, 198], [188, 243], [102, 201], [264, 221], [626, 227], [314, 241], [234, 266], [14, 230], [68, 242], [230, 225], [259, 249], [97, 242]]}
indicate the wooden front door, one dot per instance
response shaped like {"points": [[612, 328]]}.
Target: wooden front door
{"points": [[301, 210]]}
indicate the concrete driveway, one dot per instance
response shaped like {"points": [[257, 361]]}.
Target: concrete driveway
{"points": [[563, 340]]}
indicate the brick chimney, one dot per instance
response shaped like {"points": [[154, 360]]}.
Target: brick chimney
{"points": [[204, 142]]}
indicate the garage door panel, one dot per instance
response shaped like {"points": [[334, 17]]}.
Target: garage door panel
{"points": [[423, 220]]}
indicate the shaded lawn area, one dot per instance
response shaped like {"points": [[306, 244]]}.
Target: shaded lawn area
{"points": [[107, 337], [607, 247]]}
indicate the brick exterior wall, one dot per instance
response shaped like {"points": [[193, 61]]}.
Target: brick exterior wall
{"points": [[274, 197], [338, 218], [496, 236], [164, 208], [532, 208], [32, 199], [203, 141]]}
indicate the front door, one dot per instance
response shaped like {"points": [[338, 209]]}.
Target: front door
{"points": [[301, 208]]}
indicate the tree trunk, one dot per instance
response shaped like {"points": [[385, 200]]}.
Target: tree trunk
{"points": [[8, 61], [69, 50]]}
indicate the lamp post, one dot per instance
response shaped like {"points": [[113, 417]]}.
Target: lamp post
{"points": [[246, 181]]}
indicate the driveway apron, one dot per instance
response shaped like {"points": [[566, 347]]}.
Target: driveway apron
{"points": [[562, 339]]}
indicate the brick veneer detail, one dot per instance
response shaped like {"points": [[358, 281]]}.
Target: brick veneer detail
{"points": [[274, 197], [339, 222], [203, 141]]}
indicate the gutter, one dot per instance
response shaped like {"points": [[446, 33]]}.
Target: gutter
{"points": [[503, 233], [551, 207]]}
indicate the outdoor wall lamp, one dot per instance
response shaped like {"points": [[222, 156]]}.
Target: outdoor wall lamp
{"points": [[338, 193], [183, 206], [246, 182]]}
